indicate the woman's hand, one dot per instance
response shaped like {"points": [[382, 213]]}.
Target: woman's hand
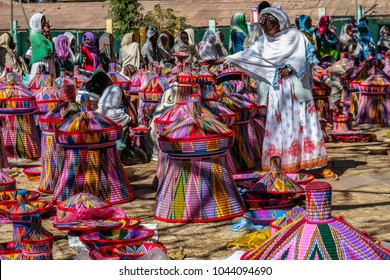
{"points": [[284, 72]]}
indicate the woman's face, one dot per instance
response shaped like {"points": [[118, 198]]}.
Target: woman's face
{"points": [[308, 23], [87, 41], [73, 43], [184, 37], [164, 40], [269, 28], [43, 22], [111, 40]]}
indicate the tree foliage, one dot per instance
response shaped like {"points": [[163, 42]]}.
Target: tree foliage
{"points": [[164, 20], [126, 15]]}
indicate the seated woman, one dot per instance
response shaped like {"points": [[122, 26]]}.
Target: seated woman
{"points": [[115, 105], [185, 44], [106, 49], [9, 57], [208, 49], [95, 87], [90, 53]]}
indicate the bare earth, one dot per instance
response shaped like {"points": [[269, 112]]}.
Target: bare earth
{"points": [[362, 196]]}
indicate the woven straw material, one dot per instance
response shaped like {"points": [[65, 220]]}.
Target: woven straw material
{"points": [[136, 82], [241, 152], [375, 84], [80, 201], [10, 196], [94, 170], [60, 81], [318, 236], [3, 155], [294, 214], [135, 251], [47, 99], [198, 190], [98, 239], [119, 80], [39, 81], [104, 253], [8, 252], [51, 154], [20, 136], [154, 90], [7, 183], [37, 243], [374, 109], [88, 225], [263, 217], [88, 128]]}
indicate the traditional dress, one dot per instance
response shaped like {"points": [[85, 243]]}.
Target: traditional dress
{"points": [[327, 41], [150, 50], [130, 51], [238, 33], [366, 44], [63, 54], [347, 41], [8, 57], [42, 48], [208, 49], [72, 54], [91, 53], [166, 51], [292, 129], [107, 54], [222, 51], [189, 48], [384, 39]]}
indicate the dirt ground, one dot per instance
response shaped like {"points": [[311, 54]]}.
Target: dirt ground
{"points": [[207, 241]]}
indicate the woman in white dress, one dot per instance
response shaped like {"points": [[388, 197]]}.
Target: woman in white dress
{"points": [[282, 61]]}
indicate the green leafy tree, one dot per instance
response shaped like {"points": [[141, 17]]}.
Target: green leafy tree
{"points": [[126, 15], [164, 20]]}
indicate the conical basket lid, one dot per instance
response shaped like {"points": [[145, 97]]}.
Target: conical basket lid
{"points": [[6, 181], [317, 237], [376, 83], [276, 181], [56, 117], [88, 127], [15, 98], [83, 201]]}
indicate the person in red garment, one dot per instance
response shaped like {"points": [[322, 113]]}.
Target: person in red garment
{"points": [[90, 53]]}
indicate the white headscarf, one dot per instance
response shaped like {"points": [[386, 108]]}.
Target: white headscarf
{"points": [[207, 49], [35, 22], [384, 40], [70, 37], [109, 105], [166, 52], [130, 51], [262, 60], [191, 36]]}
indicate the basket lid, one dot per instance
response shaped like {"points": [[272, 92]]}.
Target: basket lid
{"points": [[83, 201], [5, 179], [39, 81], [376, 80], [56, 117], [276, 181], [195, 127], [12, 92], [88, 127], [229, 74]]}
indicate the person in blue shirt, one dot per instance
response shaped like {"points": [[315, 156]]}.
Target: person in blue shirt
{"points": [[238, 33]]}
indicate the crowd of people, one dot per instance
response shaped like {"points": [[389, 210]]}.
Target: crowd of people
{"points": [[278, 56]]}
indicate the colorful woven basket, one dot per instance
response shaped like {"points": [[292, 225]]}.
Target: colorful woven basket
{"points": [[80, 201], [91, 160], [52, 153], [10, 196], [47, 98], [198, 185], [318, 235], [37, 243], [98, 239], [33, 173], [291, 216], [137, 250], [17, 105], [88, 225], [7, 183], [263, 217], [9, 252], [118, 79]]}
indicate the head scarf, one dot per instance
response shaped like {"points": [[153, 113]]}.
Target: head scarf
{"points": [[287, 47], [61, 47], [345, 38], [35, 22], [384, 39], [165, 49], [5, 40], [151, 32], [109, 105], [207, 50], [238, 24], [181, 47], [130, 50], [191, 36], [70, 37], [323, 25], [105, 46], [92, 48]]}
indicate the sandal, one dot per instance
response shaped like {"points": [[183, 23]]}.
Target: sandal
{"points": [[329, 175]]}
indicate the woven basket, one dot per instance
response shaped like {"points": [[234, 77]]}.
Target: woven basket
{"points": [[137, 250]]}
